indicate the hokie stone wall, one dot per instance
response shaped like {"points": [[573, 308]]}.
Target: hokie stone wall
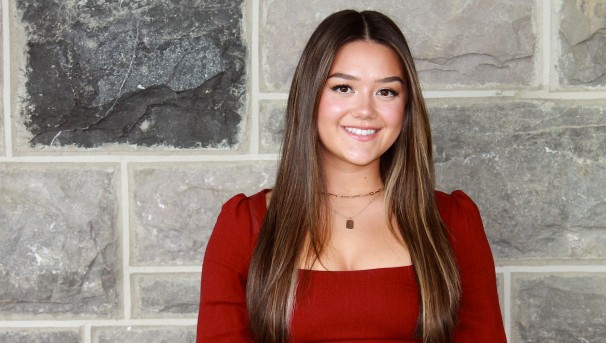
{"points": [[126, 124]]}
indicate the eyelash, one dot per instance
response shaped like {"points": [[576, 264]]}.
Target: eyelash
{"points": [[337, 88], [391, 91]]}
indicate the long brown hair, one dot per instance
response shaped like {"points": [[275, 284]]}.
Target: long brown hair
{"points": [[296, 220]]}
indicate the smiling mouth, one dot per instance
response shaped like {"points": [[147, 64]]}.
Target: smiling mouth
{"points": [[360, 132]]}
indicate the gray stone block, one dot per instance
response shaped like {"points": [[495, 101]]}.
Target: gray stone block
{"points": [[536, 170], [175, 207], [58, 242], [559, 308], [272, 125], [132, 72], [136, 334], [27, 335], [165, 295], [582, 38], [455, 44]]}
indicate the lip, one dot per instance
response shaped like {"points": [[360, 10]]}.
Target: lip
{"points": [[362, 138]]}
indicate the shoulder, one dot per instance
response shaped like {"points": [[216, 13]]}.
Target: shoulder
{"points": [[455, 201], [457, 209], [465, 231], [462, 218], [244, 208], [242, 199], [237, 228]]}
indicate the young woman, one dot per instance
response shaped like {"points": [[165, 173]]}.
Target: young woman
{"points": [[352, 243]]}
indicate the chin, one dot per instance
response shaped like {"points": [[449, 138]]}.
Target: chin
{"points": [[362, 162]]}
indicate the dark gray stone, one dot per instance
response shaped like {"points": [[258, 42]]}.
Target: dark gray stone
{"points": [[134, 334], [28, 335], [134, 72], [582, 37], [176, 207], [536, 170], [166, 295], [559, 308], [58, 242]]}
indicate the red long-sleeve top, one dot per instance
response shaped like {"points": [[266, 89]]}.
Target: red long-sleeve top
{"points": [[375, 305]]}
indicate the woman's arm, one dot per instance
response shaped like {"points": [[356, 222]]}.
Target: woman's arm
{"points": [[223, 316], [479, 312]]}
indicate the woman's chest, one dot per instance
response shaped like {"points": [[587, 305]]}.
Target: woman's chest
{"points": [[365, 305]]}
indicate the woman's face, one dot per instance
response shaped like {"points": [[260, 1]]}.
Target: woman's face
{"points": [[362, 105]]}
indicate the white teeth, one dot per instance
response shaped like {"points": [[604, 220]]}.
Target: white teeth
{"points": [[360, 132]]}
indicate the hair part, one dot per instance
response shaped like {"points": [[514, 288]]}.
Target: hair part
{"points": [[297, 220]]}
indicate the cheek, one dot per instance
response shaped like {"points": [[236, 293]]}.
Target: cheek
{"points": [[394, 119], [393, 114], [330, 108]]}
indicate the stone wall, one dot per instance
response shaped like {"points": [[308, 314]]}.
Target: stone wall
{"points": [[125, 125]]}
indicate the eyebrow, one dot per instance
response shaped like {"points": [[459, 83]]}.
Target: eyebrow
{"points": [[354, 78]]}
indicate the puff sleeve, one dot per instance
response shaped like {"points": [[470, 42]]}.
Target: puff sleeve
{"points": [[223, 316]]}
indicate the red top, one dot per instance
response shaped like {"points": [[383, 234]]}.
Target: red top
{"points": [[375, 305]]}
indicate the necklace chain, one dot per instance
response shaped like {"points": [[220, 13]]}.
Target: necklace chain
{"points": [[349, 220], [357, 195]]}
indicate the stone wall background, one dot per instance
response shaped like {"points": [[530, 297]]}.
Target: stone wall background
{"points": [[125, 125]]}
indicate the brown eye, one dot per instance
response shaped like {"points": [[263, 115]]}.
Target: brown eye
{"points": [[387, 92], [342, 89]]}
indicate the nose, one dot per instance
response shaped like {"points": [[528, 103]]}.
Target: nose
{"points": [[364, 108]]}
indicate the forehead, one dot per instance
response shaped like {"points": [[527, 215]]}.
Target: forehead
{"points": [[367, 56]]}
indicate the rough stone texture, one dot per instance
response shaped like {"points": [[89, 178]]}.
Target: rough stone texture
{"points": [[58, 248], [23, 335], [134, 72], [536, 170], [165, 295], [582, 36], [272, 125], [559, 308], [455, 44], [134, 334], [175, 208]]}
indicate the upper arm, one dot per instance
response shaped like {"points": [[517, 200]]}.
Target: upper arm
{"points": [[479, 317], [223, 316]]}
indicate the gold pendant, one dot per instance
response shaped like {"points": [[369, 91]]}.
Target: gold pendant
{"points": [[349, 224]]}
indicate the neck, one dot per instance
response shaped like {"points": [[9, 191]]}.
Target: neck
{"points": [[352, 180]]}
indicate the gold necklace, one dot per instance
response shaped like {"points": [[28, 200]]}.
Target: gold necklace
{"points": [[357, 195], [349, 220]]}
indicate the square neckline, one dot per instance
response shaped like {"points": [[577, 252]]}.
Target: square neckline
{"points": [[319, 271]]}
